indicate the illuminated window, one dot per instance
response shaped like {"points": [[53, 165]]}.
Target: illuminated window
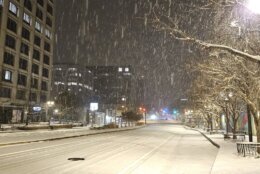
{"points": [[120, 69], [7, 75], [13, 9], [47, 33], [27, 18], [38, 26], [126, 69]]}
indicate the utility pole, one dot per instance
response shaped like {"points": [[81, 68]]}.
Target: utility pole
{"points": [[144, 117]]}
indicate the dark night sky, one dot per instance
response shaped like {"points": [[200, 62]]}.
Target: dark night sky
{"points": [[117, 32]]}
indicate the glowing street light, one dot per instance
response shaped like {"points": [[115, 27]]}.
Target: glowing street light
{"points": [[254, 6], [143, 110], [56, 111], [48, 105]]}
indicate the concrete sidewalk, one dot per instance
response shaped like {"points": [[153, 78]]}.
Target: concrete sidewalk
{"points": [[228, 161], [49, 135]]}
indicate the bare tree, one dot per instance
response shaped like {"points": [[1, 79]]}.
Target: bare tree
{"points": [[227, 32]]}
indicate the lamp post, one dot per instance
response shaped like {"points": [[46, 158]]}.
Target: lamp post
{"points": [[227, 115], [48, 105], [253, 6], [143, 111], [93, 109]]}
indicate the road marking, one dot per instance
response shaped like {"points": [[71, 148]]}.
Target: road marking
{"points": [[46, 147], [143, 158]]}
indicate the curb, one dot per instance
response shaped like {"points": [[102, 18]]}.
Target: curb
{"points": [[72, 136], [210, 140]]}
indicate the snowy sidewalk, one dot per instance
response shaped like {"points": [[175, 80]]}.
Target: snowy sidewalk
{"points": [[228, 161]]}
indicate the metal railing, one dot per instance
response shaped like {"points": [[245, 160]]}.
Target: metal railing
{"points": [[248, 149]]}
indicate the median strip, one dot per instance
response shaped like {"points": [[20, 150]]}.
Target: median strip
{"points": [[70, 136]]}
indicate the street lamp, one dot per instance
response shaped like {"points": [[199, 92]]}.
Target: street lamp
{"points": [[254, 6], [48, 105], [143, 110]]}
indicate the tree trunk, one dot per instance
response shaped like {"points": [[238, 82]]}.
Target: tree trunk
{"points": [[234, 128], [211, 123], [257, 124], [258, 135]]}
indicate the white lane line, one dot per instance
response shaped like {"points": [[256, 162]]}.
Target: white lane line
{"points": [[132, 165], [46, 147]]}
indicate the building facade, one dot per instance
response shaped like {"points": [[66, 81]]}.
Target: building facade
{"points": [[112, 86], [73, 78], [26, 56]]}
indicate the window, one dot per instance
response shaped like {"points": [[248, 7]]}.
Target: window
{"points": [[22, 80], [1, 2], [5, 92], [13, 9], [23, 64], [46, 59], [27, 19], [37, 41], [49, 8], [24, 49], [9, 58], [47, 46], [21, 95], [48, 21], [11, 25], [34, 83], [39, 13], [10, 41], [40, 2], [47, 33], [26, 34], [35, 69], [33, 97], [38, 26], [36, 54], [44, 86], [45, 72], [28, 4], [7, 75], [43, 98]]}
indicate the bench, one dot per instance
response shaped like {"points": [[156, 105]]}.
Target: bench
{"points": [[248, 148], [239, 134]]}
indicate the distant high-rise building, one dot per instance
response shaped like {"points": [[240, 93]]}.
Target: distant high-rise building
{"points": [[112, 86], [26, 56], [73, 78]]}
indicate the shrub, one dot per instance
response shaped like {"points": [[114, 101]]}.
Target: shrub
{"points": [[110, 126], [61, 126], [139, 124], [36, 127]]}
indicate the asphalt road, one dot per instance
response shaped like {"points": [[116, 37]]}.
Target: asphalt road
{"points": [[152, 150]]}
